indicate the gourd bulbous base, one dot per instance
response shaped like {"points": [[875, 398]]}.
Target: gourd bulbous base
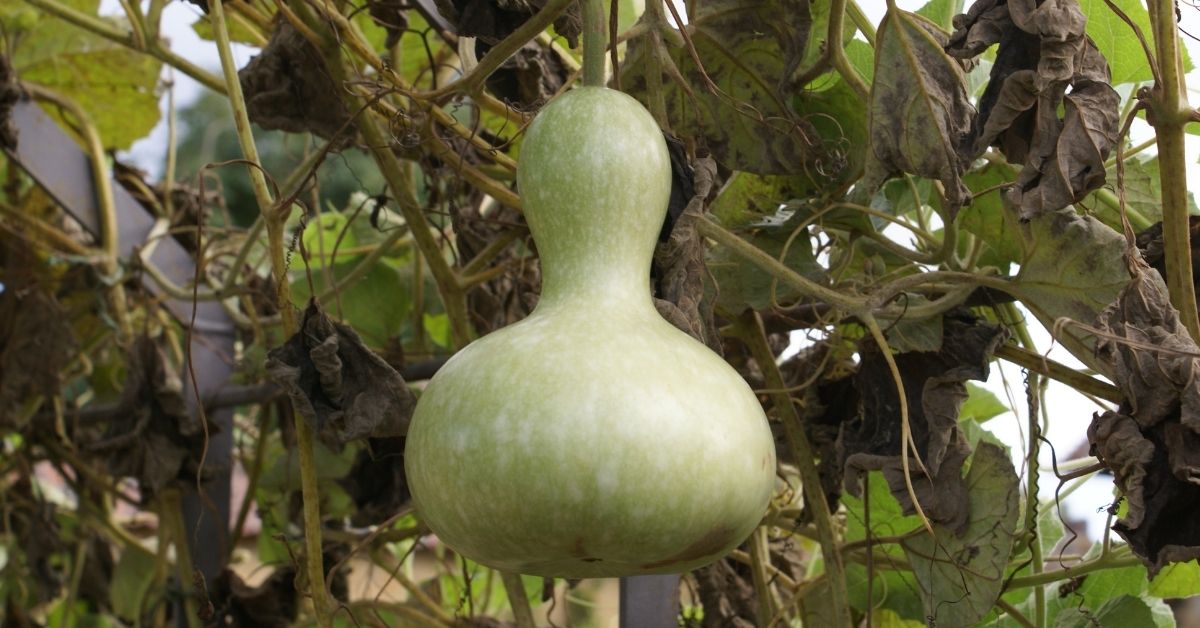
{"points": [[576, 446], [593, 438]]}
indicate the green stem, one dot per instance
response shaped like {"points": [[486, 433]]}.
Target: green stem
{"points": [[595, 36], [1112, 561], [861, 21], [275, 220], [837, 51], [760, 560], [749, 328], [1169, 105]]}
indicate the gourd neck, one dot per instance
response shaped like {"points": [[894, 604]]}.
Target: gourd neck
{"points": [[600, 281], [594, 177]]}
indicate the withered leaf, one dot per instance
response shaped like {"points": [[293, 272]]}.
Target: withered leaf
{"points": [[344, 389], [154, 437], [680, 265], [376, 482], [1152, 443], [934, 386], [493, 20], [36, 345], [9, 95], [1044, 52], [288, 88], [529, 78], [726, 594], [920, 110], [1155, 360], [272, 604], [390, 14]]}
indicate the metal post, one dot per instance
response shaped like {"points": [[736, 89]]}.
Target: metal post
{"points": [[57, 163], [649, 601]]}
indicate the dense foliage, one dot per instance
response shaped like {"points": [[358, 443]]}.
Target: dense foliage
{"points": [[898, 193]]}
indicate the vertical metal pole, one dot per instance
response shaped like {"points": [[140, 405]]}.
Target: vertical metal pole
{"points": [[649, 601], [56, 162]]}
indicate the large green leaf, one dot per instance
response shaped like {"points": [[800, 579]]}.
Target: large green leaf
{"points": [[893, 590], [1073, 268], [981, 405], [376, 305], [1177, 580], [961, 576], [1126, 611], [985, 217], [115, 85], [1118, 43]]}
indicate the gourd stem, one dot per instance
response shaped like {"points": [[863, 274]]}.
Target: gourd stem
{"points": [[595, 39]]}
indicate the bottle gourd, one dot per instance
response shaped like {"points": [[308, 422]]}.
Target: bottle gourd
{"points": [[593, 438]]}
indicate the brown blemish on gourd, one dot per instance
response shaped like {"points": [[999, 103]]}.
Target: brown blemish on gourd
{"points": [[716, 540]]}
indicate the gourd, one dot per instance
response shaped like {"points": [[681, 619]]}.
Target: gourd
{"points": [[593, 438]]}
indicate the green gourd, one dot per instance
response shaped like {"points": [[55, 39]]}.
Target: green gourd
{"points": [[593, 438]]}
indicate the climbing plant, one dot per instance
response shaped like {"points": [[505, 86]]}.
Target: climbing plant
{"points": [[866, 214]]}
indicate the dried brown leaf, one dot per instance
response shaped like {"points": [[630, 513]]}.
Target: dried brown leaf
{"points": [[529, 78], [1152, 444], [288, 88], [344, 389], [154, 437], [935, 389], [680, 264], [1045, 63], [493, 20]]}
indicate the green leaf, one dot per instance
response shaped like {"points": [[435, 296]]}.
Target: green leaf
{"points": [[324, 234], [746, 198], [986, 218], [961, 576], [1177, 580], [887, 618], [981, 405], [438, 328], [131, 581], [1126, 611], [741, 284], [117, 86], [1119, 44], [1143, 190], [375, 305], [241, 30], [941, 12], [1073, 268], [893, 590]]}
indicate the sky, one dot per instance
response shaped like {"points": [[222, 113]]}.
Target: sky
{"points": [[1070, 413]]}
